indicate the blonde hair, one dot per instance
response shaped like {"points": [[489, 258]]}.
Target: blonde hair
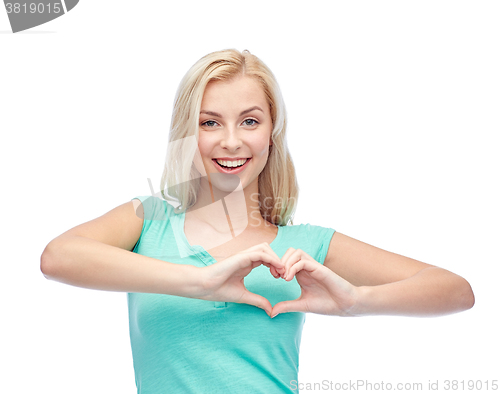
{"points": [[278, 189]]}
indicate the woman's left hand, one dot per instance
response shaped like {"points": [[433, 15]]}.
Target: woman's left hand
{"points": [[323, 291]]}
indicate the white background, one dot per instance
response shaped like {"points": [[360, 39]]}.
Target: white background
{"points": [[393, 127]]}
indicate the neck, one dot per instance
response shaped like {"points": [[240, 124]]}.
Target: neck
{"points": [[228, 211]]}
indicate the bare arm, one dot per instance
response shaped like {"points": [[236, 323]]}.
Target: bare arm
{"points": [[85, 262], [433, 291], [392, 284], [96, 255], [358, 279]]}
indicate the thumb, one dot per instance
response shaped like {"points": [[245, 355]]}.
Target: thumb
{"points": [[256, 300], [288, 306]]}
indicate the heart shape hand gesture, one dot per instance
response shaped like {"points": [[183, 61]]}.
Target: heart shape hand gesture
{"points": [[224, 280], [322, 291]]}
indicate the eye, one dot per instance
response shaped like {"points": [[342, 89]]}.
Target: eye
{"points": [[209, 123], [250, 122]]}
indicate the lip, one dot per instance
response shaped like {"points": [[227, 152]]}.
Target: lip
{"points": [[231, 158], [237, 171]]}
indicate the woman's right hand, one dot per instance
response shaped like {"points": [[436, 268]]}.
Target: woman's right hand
{"points": [[224, 281]]}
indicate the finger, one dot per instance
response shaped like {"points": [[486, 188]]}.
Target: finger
{"points": [[270, 250], [256, 300], [292, 271], [276, 272], [273, 272], [304, 264], [289, 306], [266, 248], [286, 258], [313, 268], [292, 259], [287, 254], [272, 269], [263, 257]]}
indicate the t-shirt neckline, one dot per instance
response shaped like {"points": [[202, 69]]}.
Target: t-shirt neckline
{"points": [[199, 250]]}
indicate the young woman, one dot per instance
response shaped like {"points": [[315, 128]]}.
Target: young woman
{"points": [[207, 280]]}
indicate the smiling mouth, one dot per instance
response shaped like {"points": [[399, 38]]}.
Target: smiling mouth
{"points": [[230, 166], [231, 163]]}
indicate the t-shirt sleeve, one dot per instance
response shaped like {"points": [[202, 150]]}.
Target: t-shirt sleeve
{"points": [[319, 237], [154, 208], [156, 215]]}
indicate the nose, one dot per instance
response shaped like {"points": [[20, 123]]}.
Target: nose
{"points": [[231, 139]]}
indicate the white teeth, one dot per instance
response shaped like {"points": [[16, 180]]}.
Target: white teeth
{"points": [[235, 163]]}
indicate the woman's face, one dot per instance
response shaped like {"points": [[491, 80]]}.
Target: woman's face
{"points": [[234, 130]]}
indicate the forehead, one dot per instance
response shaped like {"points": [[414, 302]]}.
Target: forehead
{"points": [[235, 93]]}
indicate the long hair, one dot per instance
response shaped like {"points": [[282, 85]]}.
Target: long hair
{"points": [[278, 188]]}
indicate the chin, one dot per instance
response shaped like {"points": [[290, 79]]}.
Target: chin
{"points": [[226, 182]]}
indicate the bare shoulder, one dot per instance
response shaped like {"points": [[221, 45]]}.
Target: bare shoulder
{"points": [[365, 265], [120, 227]]}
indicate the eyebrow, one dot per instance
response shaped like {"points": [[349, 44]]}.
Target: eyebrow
{"points": [[242, 113]]}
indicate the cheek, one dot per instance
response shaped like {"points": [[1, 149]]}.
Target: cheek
{"points": [[260, 148], [204, 146], [262, 155], [202, 157]]}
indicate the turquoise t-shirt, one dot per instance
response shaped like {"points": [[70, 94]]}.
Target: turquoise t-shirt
{"points": [[184, 345]]}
